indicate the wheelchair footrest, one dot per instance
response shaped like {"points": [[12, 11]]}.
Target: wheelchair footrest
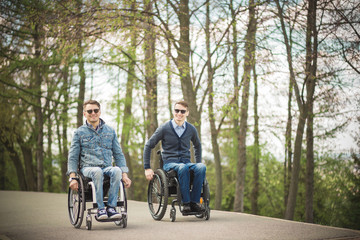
{"points": [[109, 219], [192, 213]]}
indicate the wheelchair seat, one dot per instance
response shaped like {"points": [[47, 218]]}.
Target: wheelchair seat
{"points": [[86, 193]]}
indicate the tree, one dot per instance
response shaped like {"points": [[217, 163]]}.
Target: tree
{"points": [[256, 157], [151, 78], [249, 61], [213, 130], [310, 75]]}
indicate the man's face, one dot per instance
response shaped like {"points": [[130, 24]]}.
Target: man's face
{"points": [[90, 114], [180, 113]]}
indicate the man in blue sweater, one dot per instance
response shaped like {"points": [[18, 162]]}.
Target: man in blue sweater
{"points": [[175, 136]]}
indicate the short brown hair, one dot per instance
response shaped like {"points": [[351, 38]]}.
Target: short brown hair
{"points": [[91, 102], [183, 103]]}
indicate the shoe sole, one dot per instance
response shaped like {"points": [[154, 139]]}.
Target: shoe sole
{"points": [[102, 217], [115, 216]]}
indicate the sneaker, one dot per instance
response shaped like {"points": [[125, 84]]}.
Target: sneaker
{"points": [[101, 214], [112, 213], [195, 207]]}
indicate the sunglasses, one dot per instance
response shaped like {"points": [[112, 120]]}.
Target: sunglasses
{"points": [[182, 111], [91, 110]]}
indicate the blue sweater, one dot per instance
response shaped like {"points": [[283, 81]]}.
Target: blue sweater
{"points": [[174, 148]]}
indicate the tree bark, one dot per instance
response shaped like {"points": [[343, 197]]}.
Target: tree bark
{"points": [[288, 132], [248, 63], [183, 62], [38, 110], [256, 157], [213, 130], [151, 81], [14, 156], [27, 154], [64, 123], [310, 88], [80, 49], [235, 119], [304, 107]]}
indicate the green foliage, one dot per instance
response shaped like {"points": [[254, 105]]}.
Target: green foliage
{"points": [[337, 193]]}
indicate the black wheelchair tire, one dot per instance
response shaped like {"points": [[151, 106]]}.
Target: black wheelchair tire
{"points": [[158, 190], [123, 221], [77, 204]]}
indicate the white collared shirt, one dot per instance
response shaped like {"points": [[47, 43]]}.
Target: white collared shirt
{"points": [[178, 129]]}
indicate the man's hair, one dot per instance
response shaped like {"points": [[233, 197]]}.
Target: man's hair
{"points": [[91, 102], [183, 103]]}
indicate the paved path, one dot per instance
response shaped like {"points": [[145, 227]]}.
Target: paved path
{"points": [[31, 215]]}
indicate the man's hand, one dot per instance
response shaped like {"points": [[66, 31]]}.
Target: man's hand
{"points": [[74, 185], [149, 174], [126, 180]]}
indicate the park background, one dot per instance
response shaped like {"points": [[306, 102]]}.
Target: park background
{"points": [[273, 88]]}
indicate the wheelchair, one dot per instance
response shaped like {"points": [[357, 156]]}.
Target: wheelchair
{"points": [[86, 193], [165, 185]]}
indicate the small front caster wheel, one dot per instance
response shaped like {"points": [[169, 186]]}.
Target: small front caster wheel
{"points": [[88, 222], [172, 215], [207, 213]]}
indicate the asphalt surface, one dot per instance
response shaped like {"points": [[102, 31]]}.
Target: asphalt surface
{"points": [[32, 215]]}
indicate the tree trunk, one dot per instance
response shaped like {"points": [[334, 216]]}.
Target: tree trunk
{"points": [[248, 63], [151, 82], [309, 209], [168, 68], [183, 62], [310, 88], [64, 123], [38, 111], [14, 156], [49, 170], [81, 96], [127, 118], [291, 202], [255, 190], [213, 130], [235, 119], [288, 146], [288, 132], [304, 108], [28, 163]]}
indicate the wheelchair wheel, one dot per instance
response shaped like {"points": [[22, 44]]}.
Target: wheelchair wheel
{"points": [[205, 201], [77, 204], [123, 210], [158, 193]]}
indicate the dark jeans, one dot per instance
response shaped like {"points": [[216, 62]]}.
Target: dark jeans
{"points": [[183, 172]]}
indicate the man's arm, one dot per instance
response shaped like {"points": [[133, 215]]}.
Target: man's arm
{"points": [[74, 154], [73, 160], [150, 144], [197, 146], [119, 157]]}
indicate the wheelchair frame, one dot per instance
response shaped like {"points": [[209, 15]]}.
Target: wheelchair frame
{"points": [[164, 185], [86, 193]]}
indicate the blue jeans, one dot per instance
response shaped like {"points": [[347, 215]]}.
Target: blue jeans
{"points": [[97, 176], [183, 172]]}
